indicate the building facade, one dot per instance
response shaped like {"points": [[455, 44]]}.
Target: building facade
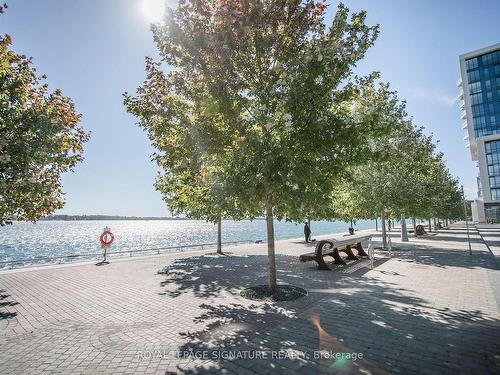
{"points": [[480, 103]]}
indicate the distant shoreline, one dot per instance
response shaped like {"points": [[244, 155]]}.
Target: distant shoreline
{"points": [[114, 217], [105, 217]]}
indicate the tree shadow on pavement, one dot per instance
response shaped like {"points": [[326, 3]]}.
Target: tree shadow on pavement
{"points": [[344, 312], [4, 302], [430, 256]]}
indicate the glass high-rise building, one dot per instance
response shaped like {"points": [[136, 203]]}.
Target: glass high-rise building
{"points": [[480, 102]]}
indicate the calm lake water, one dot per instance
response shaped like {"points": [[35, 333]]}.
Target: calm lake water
{"points": [[62, 238]]}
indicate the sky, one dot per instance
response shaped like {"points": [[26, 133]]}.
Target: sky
{"points": [[94, 51]]}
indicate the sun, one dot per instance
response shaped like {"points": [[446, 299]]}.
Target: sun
{"points": [[153, 10]]}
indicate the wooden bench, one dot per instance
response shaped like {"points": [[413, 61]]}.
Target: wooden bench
{"points": [[420, 230], [333, 246]]}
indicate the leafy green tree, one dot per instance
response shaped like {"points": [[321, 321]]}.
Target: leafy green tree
{"points": [[443, 198], [39, 139], [389, 186], [257, 98], [361, 191], [409, 179]]}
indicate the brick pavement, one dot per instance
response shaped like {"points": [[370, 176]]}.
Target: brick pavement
{"points": [[429, 309]]}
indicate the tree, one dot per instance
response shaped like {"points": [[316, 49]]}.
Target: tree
{"points": [[444, 198], [408, 179], [359, 193], [39, 139], [257, 97]]}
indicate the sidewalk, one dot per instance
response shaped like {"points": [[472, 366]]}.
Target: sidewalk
{"points": [[491, 235], [429, 309]]}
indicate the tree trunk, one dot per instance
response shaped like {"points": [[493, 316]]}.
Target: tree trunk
{"points": [[384, 234], [404, 230], [430, 226], [376, 224], [435, 224], [219, 236], [271, 257], [414, 222], [310, 231]]}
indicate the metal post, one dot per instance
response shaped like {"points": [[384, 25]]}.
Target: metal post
{"points": [[371, 253], [384, 233], [466, 222]]}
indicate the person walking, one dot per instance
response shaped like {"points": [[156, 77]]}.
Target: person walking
{"points": [[307, 231]]}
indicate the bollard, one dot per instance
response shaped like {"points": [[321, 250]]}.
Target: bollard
{"points": [[370, 253]]}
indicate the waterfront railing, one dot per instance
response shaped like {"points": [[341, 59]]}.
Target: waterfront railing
{"points": [[61, 259]]}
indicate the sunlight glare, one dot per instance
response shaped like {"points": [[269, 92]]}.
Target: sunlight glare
{"points": [[153, 10]]}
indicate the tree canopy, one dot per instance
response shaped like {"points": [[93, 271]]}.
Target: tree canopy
{"points": [[39, 139], [409, 179], [253, 108]]}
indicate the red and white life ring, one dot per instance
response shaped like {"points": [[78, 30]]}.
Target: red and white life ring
{"points": [[106, 238]]}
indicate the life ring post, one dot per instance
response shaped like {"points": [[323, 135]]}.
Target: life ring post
{"points": [[106, 239]]}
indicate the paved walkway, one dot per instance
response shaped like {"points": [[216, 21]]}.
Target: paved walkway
{"points": [[429, 309]]}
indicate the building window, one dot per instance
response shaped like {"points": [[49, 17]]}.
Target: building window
{"points": [[495, 194], [492, 150], [472, 63], [487, 59], [476, 98], [477, 110], [494, 170], [479, 122], [483, 73], [475, 87], [473, 76], [495, 182], [492, 213], [493, 158], [493, 146]]}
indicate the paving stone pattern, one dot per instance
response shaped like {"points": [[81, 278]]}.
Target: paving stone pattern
{"points": [[430, 308]]}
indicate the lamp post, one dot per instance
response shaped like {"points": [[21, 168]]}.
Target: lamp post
{"points": [[466, 222]]}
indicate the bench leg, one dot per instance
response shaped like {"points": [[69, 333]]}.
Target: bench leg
{"points": [[361, 252], [321, 263], [338, 259], [350, 254]]}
